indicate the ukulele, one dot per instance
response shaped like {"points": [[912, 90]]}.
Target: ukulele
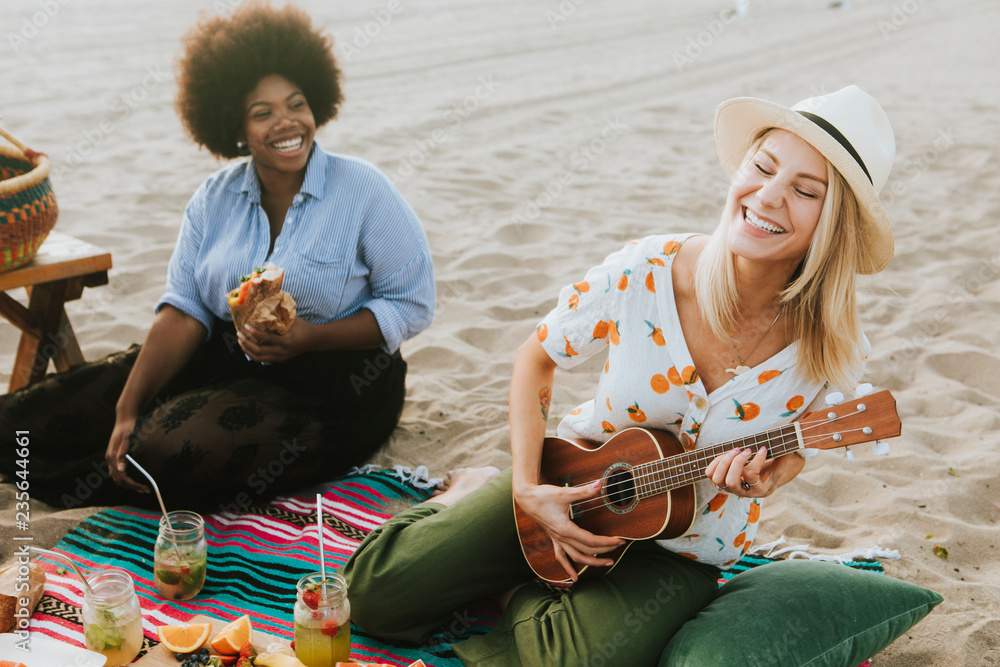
{"points": [[648, 479]]}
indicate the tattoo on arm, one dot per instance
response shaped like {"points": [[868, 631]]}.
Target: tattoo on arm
{"points": [[545, 400]]}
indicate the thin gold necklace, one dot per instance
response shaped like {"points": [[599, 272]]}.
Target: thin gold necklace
{"points": [[743, 368]]}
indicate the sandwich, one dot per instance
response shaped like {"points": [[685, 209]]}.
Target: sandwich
{"points": [[17, 592], [260, 302]]}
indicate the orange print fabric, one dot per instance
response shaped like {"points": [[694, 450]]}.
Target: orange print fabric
{"points": [[625, 315]]}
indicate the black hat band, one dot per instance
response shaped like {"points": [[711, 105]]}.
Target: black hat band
{"points": [[841, 139]]}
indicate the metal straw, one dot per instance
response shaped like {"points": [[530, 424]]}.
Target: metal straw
{"points": [[319, 525], [163, 507], [68, 560]]}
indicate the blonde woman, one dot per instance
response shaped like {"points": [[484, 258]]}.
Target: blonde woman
{"points": [[710, 338]]}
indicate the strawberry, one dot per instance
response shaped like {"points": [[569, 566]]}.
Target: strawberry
{"points": [[293, 645], [248, 651], [244, 662], [330, 628], [226, 660], [310, 599]]}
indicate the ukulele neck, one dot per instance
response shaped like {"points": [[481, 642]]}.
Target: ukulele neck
{"points": [[684, 469]]}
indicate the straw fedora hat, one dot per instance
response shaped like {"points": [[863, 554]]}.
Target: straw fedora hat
{"points": [[848, 128]]}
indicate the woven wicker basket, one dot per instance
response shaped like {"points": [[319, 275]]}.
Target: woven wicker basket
{"points": [[28, 209]]}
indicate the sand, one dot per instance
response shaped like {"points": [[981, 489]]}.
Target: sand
{"points": [[533, 138]]}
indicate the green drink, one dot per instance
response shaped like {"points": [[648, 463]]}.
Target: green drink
{"points": [[112, 618], [180, 557]]}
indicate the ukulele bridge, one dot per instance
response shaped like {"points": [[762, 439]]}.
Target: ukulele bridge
{"points": [[618, 492]]}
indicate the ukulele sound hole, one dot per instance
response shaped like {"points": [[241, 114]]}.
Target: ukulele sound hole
{"points": [[620, 490]]}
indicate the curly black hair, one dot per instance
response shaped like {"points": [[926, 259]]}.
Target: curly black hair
{"points": [[224, 58]]}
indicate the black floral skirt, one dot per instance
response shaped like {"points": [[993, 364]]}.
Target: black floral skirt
{"points": [[225, 434]]}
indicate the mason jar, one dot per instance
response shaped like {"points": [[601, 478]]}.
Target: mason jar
{"points": [[322, 620], [180, 557], [112, 619]]}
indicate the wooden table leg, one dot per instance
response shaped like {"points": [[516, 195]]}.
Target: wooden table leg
{"points": [[46, 306], [69, 353]]}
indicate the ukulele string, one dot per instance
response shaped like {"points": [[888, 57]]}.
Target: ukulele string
{"points": [[653, 483], [589, 504], [701, 457], [698, 456], [583, 506]]}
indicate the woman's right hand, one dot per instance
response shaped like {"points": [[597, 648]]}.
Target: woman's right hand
{"points": [[115, 455], [170, 344], [550, 506]]}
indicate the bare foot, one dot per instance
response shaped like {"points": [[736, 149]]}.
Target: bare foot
{"points": [[461, 482]]}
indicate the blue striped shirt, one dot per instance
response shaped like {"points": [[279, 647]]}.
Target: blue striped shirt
{"points": [[349, 241]]}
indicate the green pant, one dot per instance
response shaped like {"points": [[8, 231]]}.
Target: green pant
{"points": [[410, 575]]}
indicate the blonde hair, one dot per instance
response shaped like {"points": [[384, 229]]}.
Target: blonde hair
{"points": [[819, 301]]}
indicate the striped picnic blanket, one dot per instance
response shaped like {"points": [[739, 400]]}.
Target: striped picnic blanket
{"points": [[255, 559]]}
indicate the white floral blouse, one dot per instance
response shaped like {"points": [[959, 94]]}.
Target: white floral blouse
{"points": [[627, 306]]}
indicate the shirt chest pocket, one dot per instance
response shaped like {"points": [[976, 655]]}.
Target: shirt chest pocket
{"points": [[317, 284]]}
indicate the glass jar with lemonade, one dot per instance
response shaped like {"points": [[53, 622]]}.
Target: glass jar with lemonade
{"points": [[322, 620], [112, 618], [180, 557]]}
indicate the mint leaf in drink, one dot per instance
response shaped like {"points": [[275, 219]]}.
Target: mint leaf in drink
{"points": [[195, 576], [100, 639], [168, 577], [94, 635]]}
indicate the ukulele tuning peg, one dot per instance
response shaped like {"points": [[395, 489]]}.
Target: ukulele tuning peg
{"points": [[863, 390], [850, 455], [880, 448], [834, 398]]}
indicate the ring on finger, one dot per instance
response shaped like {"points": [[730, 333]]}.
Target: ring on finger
{"points": [[720, 488], [746, 486]]}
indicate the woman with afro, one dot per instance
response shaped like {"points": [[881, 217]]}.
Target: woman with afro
{"points": [[238, 416]]}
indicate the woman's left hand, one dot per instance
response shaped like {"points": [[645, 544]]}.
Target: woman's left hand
{"points": [[275, 347], [739, 473]]}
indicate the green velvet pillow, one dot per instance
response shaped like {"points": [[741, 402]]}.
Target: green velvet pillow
{"points": [[799, 613]]}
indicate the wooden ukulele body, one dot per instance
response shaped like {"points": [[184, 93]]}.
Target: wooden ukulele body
{"points": [[658, 501], [619, 510]]}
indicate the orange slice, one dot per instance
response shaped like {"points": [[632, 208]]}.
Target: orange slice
{"points": [[184, 638], [233, 636]]}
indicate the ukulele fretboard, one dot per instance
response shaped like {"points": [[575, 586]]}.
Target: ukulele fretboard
{"points": [[680, 470]]}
